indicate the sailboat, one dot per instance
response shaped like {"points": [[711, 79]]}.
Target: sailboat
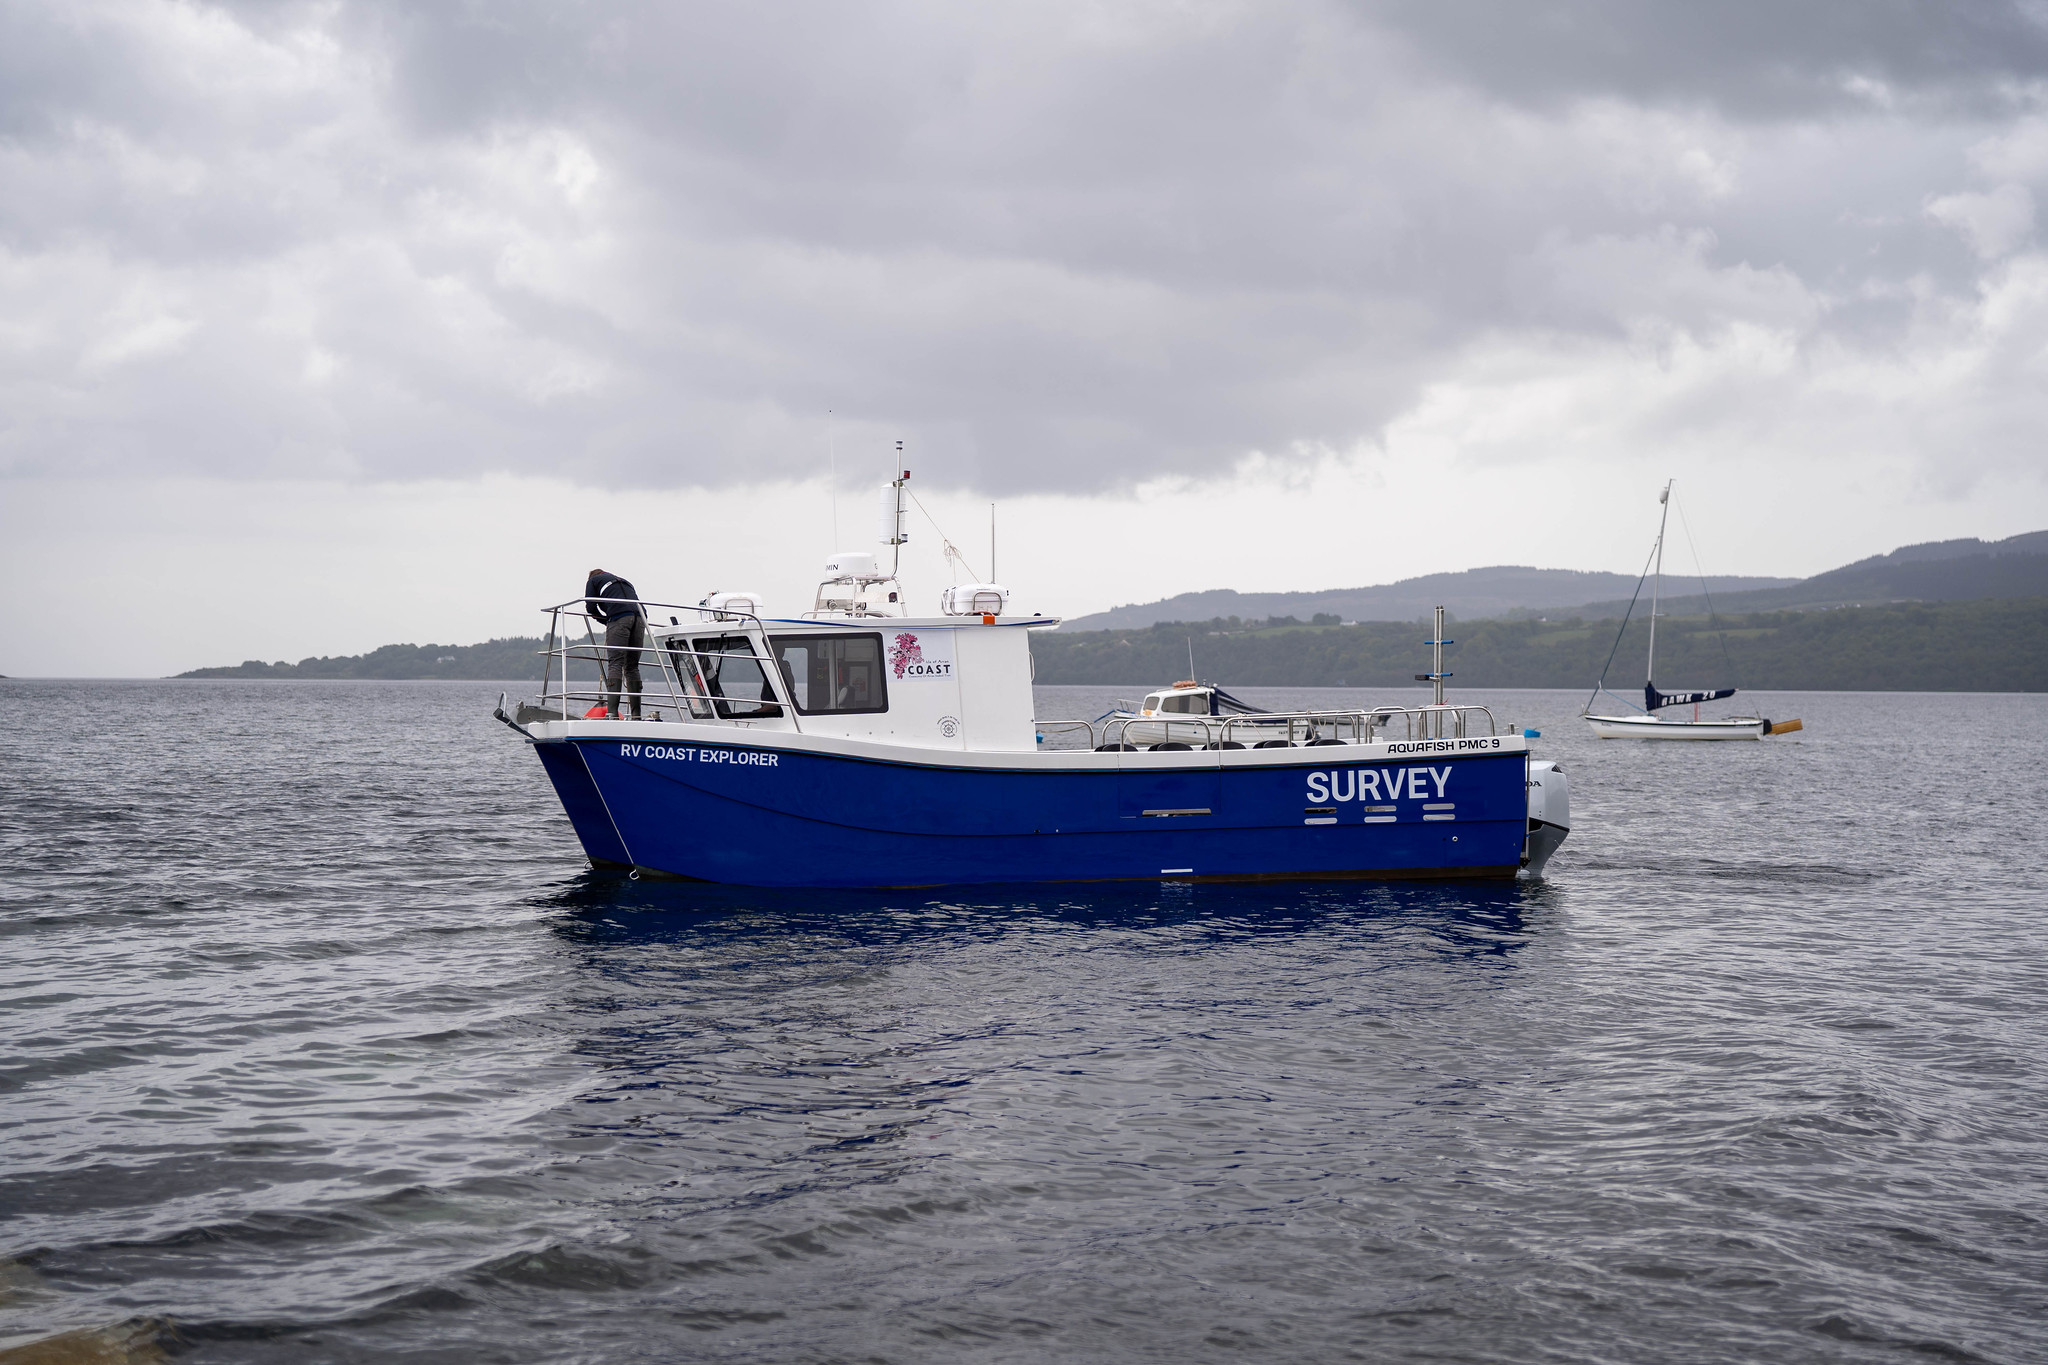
{"points": [[1648, 724]]}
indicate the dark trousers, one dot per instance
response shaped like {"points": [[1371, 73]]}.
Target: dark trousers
{"points": [[624, 639]]}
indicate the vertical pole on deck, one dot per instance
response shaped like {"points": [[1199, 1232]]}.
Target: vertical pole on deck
{"points": [[1436, 667], [1434, 721], [1657, 584], [893, 535], [1436, 673]]}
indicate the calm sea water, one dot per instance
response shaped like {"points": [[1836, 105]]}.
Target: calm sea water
{"points": [[322, 1044]]}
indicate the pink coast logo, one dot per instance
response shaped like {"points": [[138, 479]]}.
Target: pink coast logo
{"points": [[907, 658]]}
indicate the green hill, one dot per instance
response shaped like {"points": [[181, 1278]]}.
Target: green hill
{"points": [[1982, 646], [1991, 645], [1937, 571], [1494, 591]]}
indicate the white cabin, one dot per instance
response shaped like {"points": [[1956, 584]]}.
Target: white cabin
{"points": [[1182, 699], [856, 667]]}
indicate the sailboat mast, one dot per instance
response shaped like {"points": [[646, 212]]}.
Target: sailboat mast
{"points": [[1657, 585]]}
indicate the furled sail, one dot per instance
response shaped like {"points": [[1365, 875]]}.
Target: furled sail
{"points": [[1653, 699]]}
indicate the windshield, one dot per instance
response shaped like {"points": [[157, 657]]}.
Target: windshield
{"points": [[733, 674]]}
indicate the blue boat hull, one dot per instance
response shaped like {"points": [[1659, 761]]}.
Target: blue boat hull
{"points": [[783, 817]]}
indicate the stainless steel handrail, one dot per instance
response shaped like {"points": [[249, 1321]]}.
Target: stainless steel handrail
{"points": [[692, 695], [1065, 727], [1432, 719], [695, 700], [1305, 727], [1310, 726], [1194, 727]]}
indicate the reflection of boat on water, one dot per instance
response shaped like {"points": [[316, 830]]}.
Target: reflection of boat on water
{"points": [[1646, 723], [858, 745]]}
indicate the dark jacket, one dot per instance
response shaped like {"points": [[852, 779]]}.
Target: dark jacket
{"points": [[604, 595]]}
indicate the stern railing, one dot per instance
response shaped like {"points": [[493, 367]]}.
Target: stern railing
{"points": [[687, 681], [1278, 729]]}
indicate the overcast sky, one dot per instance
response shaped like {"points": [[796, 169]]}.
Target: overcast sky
{"points": [[328, 325]]}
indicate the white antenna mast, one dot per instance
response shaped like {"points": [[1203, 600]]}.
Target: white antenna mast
{"points": [[832, 439], [992, 543], [893, 532]]}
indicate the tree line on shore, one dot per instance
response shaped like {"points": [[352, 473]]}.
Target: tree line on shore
{"points": [[511, 658], [1991, 645]]}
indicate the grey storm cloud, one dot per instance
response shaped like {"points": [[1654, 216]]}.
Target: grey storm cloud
{"points": [[1750, 59], [1054, 246]]}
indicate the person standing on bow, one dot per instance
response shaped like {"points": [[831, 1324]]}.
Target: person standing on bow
{"points": [[614, 601]]}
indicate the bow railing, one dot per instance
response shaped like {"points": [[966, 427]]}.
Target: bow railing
{"points": [[689, 682]]}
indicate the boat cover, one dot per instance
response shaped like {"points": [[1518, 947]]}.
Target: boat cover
{"points": [[1653, 699], [1221, 701]]}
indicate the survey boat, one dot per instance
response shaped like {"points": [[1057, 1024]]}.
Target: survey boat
{"points": [[859, 745]]}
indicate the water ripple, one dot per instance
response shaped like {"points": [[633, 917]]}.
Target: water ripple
{"points": [[322, 1044]]}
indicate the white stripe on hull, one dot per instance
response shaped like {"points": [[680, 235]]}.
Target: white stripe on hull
{"points": [[1649, 727]]}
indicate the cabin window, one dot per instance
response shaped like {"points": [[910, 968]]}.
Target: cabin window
{"points": [[689, 675], [733, 675], [1186, 703], [833, 674]]}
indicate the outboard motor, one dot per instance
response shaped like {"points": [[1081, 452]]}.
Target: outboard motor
{"points": [[1550, 814]]}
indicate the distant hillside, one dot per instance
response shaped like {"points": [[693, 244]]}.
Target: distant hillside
{"points": [[1492, 591], [1985, 645], [507, 659], [1951, 646], [1981, 587], [1938, 571]]}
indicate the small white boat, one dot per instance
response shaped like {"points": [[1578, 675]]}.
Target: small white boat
{"points": [[1192, 711], [1656, 727], [1647, 724]]}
